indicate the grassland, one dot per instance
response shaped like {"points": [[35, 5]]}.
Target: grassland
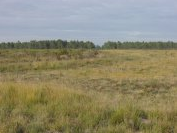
{"points": [[87, 91]]}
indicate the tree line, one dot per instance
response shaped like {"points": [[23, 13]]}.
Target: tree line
{"points": [[139, 45], [63, 44], [48, 44]]}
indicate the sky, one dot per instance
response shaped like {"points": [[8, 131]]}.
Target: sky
{"points": [[94, 20]]}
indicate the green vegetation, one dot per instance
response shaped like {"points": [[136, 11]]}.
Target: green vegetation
{"points": [[62, 44], [139, 45], [53, 44], [86, 91]]}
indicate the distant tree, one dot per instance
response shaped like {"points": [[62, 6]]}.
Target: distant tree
{"points": [[75, 44], [139, 45]]}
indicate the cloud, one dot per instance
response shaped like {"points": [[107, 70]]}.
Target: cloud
{"points": [[98, 20]]}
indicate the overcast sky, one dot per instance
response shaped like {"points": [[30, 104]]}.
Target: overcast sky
{"points": [[95, 20]]}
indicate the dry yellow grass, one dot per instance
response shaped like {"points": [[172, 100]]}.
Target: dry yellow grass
{"points": [[113, 91]]}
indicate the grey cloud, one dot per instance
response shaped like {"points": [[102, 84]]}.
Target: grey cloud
{"points": [[98, 20]]}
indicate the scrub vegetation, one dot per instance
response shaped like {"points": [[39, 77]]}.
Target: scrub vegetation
{"points": [[88, 91]]}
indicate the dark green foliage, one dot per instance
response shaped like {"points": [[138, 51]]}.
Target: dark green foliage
{"points": [[63, 44], [139, 45], [52, 44]]}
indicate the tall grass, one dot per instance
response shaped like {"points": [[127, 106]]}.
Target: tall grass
{"points": [[28, 108], [80, 91]]}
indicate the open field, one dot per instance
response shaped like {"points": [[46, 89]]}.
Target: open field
{"points": [[86, 91]]}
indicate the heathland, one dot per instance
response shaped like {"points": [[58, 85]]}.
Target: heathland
{"points": [[88, 91]]}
